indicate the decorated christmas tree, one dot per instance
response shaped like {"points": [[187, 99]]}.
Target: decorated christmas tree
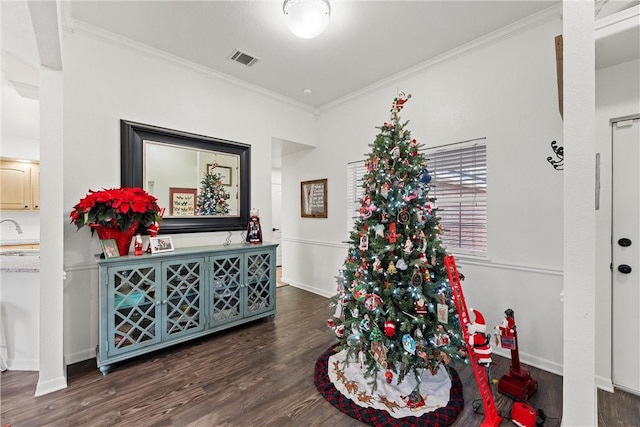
{"points": [[212, 197], [394, 311]]}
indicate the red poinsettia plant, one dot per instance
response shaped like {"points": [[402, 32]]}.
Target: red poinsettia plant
{"points": [[116, 208]]}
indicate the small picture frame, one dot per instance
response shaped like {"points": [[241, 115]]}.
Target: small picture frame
{"points": [[110, 248], [223, 171], [313, 198], [183, 201], [161, 244]]}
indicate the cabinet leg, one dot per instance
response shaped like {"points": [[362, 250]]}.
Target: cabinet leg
{"points": [[105, 369]]}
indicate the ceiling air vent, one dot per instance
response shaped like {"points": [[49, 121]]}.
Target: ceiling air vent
{"points": [[243, 58]]}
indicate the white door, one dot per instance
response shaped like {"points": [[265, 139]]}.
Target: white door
{"points": [[626, 254], [276, 203]]}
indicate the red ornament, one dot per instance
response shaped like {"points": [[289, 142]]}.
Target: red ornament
{"points": [[392, 236], [389, 376], [389, 328]]}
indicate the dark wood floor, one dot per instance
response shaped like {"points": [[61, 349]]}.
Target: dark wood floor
{"points": [[259, 374]]}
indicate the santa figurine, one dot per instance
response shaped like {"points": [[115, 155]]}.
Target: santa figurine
{"points": [[478, 339], [506, 331], [254, 231]]}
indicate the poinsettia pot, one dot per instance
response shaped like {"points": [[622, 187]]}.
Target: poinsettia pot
{"points": [[122, 238]]}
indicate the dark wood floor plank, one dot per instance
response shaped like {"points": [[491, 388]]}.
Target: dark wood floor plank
{"points": [[258, 374]]}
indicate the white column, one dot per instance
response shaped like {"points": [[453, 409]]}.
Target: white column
{"points": [[53, 374], [579, 390]]}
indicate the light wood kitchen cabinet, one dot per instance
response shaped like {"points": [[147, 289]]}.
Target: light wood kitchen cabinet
{"points": [[19, 185]]}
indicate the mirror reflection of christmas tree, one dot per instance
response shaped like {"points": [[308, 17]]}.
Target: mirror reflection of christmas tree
{"points": [[212, 197], [394, 313]]}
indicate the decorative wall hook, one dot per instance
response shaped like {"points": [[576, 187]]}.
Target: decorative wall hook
{"points": [[559, 152]]}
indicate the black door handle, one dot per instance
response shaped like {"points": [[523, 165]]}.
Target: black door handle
{"points": [[624, 269], [624, 242]]}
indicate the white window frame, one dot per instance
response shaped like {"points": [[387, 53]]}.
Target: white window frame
{"points": [[355, 191]]}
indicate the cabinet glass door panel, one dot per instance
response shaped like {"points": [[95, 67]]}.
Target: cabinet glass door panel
{"points": [[260, 295], [226, 288], [133, 311], [183, 299]]}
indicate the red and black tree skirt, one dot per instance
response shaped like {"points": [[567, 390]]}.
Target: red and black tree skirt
{"points": [[440, 417]]}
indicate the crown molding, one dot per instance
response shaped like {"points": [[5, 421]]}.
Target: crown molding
{"points": [[537, 19], [618, 22], [72, 26]]}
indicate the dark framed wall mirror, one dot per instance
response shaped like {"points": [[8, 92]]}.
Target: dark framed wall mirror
{"points": [[202, 182]]}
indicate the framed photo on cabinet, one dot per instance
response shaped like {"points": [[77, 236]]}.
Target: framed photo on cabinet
{"points": [[161, 244], [110, 248]]}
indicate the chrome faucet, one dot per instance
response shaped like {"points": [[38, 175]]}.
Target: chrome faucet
{"points": [[18, 228]]}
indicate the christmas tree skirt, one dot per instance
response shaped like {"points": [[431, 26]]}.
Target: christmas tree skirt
{"points": [[439, 403]]}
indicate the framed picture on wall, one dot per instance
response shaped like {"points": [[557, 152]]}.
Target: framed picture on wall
{"points": [[223, 171], [183, 201], [313, 198]]}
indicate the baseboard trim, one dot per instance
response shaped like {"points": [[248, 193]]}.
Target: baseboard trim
{"points": [[604, 383], [80, 356], [23, 365], [536, 362], [46, 387], [304, 287]]}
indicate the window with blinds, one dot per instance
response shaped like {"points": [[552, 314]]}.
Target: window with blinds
{"points": [[459, 184], [355, 192]]}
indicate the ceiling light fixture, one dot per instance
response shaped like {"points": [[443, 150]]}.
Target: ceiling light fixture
{"points": [[306, 18]]}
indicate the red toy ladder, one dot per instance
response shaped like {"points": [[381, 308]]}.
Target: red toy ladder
{"points": [[491, 417]]}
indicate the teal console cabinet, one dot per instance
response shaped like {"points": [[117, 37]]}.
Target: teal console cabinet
{"points": [[154, 301]]}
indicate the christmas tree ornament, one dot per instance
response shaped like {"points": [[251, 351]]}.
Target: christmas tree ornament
{"points": [[388, 376], [377, 265], [401, 264], [384, 190], [364, 242], [408, 343], [379, 353], [392, 236], [372, 301], [425, 177], [395, 152], [339, 331], [355, 312], [353, 340], [392, 268], [359, 293], [365, 323], [403, 216], [420, 307], [389, 328], [408, 246], [416, 279], [379, 230], [376, 335]]}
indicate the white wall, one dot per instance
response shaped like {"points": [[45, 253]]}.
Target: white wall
{"points": [[617, 95], [505, 92], [104, 83]]}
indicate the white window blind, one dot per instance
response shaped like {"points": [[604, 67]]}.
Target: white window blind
{"points": [[355, 192], [459, 184]]}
